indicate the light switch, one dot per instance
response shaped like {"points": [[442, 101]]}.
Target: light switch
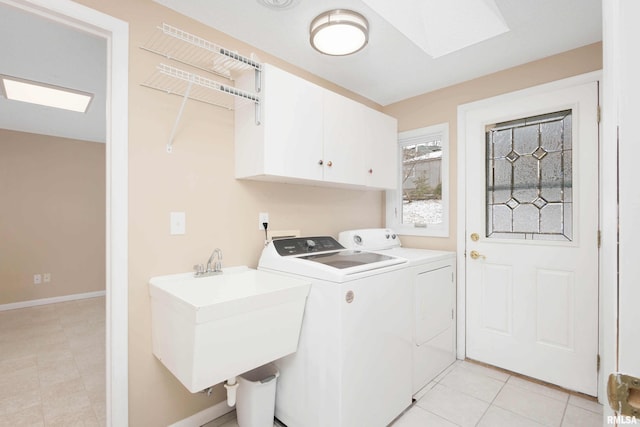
{"points": [[178, 223]]}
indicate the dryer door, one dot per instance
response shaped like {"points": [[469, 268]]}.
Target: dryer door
{"points": [[434, 330], [434, 304]]}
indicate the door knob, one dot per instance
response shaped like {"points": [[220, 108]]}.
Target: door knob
{"points": [[477, 255], [330, 163], [475, 237], [622, 391]]}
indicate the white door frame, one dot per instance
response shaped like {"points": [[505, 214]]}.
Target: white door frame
{"points": [[116, 32], [461, 216], [619, 201]]}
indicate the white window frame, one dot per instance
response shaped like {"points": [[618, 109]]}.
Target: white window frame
{"points": [[394, 197]]}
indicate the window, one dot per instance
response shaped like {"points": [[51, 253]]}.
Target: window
{"points": [[420, 204]]}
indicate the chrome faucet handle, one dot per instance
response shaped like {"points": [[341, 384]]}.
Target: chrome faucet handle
{"points": [[199, 269]]}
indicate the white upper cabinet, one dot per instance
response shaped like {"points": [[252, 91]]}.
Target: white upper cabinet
{"points": [[287, 142], [381, 150], [304, 133], [343, 142]]}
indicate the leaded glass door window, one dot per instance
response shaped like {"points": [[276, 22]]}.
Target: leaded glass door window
{"points": [[529, 178]]}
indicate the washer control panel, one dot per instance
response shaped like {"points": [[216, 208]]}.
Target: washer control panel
{"points": [[305, 245]]}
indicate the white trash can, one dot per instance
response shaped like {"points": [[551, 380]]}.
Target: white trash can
{"points": [[256, 398]]}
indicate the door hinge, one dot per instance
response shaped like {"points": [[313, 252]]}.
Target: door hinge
{"points": [[599, 113], [598, 363], [452, 315], [599, 239]]}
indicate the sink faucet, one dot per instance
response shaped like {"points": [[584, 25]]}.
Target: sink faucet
{"points": [[217, 267], [212, 267]]}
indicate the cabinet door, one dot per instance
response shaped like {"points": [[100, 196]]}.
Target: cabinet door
{"points": [[293, 125], [343, 140], [381, 150]]}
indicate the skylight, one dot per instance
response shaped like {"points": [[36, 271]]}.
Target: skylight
{"points": [[441, 27], [44, 94]]}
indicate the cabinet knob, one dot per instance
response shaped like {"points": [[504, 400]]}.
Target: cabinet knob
{"points": [[371, 171], [320, 162], [330, 163]]}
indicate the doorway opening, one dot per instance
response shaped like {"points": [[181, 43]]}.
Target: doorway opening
{"points": [[115, 32]]}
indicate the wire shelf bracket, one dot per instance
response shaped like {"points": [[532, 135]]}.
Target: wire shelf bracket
{"points": [[175, 124]]}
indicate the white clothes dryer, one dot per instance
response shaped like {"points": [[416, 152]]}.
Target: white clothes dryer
{"points": [[433, 279]]}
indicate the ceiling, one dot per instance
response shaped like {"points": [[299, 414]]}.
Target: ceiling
{"points": [[391, 67], [35, 48]]}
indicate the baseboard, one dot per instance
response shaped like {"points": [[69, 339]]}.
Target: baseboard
{"points": [[52, 300], [205, 416]]}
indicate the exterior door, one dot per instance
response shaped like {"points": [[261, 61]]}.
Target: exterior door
{"points": [[531, 244]]}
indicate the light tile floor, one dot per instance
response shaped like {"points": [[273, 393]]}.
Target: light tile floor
{"points": [[469, 395], [52, 365]]}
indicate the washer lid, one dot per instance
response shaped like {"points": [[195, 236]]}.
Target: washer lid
{"points": [[347, 258], [325, 259]]}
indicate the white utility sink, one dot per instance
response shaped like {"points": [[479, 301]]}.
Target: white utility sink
{"points": [[206, 330]]}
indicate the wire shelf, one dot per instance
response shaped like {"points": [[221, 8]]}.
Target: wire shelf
{"points": [[181, 46], [196, 52], [175, 81]]}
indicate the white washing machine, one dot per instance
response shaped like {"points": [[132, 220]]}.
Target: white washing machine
{"points": [[433, 278], [353, 363]]}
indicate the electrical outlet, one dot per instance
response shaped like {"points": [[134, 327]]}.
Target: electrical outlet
{"points": [[37, 279], [262, 218], [46, 277]]}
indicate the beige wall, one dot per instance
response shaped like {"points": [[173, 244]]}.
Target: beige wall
{"points": [[52, 202], [441, 106]]}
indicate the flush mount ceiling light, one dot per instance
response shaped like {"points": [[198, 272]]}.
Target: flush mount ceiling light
{"points": [[339, 32], [44, 94]]}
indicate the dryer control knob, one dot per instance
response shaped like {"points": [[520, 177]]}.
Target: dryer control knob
{"points": [[357, 239], [393, 236], [310, 244]]}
